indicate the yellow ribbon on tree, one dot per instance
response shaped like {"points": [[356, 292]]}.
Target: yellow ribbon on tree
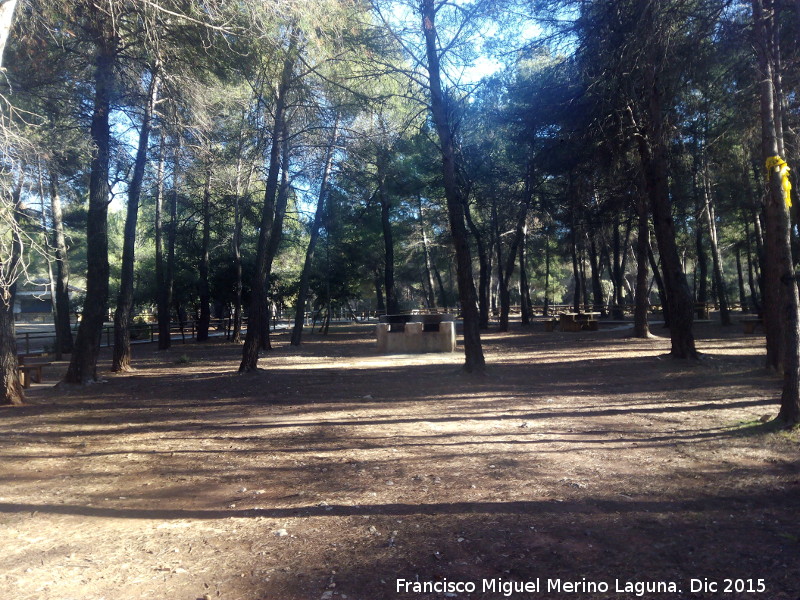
{"points": [[777, 163]]}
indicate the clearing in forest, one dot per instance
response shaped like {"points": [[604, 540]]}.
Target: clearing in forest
{"points": [[583, 460]]}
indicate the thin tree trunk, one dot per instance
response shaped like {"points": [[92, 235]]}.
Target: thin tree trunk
{"points": [[388, 243], [701, 279], [546, 309], [204, 291], [430, 292], [511, 257], [257, 313], [662, 293], [122, 314], [473, 351], [379, 301], [524, 286], [597, 289], [305, 276], [616, 310], [641, 303], [83, 364], [576, 275], [236, 243], [276, 235], [740, 280], [484, 270], [755, 299], [62, 320], [162, 302], [719, 277]]}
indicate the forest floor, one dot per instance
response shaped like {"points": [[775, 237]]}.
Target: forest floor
{"points": [[336, 473]]}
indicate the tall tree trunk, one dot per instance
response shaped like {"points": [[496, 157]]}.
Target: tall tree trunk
{"points": [[388, 243], [484, 270], [122, 314], [257, 314], [62, 320], [430, 291], [502, 287], [701, 278], [782, 304], [524, 286], [380, 303], [236, 246], [576, 274], [162, 300], [305, 276], [719, 277], [546, 309], [276, 235], [641, 303], [83, 364], [11, 392], [755, 299], [473, 351], [203, 289], [653, 154], [597, 290], [662, 293], [511, 257], [617, 272], [740, 280]]}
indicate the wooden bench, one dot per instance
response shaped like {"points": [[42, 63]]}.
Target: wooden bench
{"points": [[21, 358], [749, 324], [31, 372]]}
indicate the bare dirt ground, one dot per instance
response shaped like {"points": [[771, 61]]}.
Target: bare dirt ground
{"points": [[334, 472]]}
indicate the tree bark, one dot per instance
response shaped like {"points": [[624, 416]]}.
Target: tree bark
{"points": [[546, 308], [62, 308], [719, 277], [257, 313], [10, 388], [701, 277], [305, 276], [781, 304], [740, 280], [597, 290], [484, 270], [473, 351], [122, 314], [430, 291], [83, 364], [388, 242], [11, 392], [524, 286], [641, 302], [653, 154], [204, 291], [162, 302]]}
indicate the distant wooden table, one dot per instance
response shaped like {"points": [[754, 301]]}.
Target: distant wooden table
{"points": [[578, 321], [30, 372]]}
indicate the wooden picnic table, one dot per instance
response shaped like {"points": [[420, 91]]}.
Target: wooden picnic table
{"points": [[580, 321]]}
